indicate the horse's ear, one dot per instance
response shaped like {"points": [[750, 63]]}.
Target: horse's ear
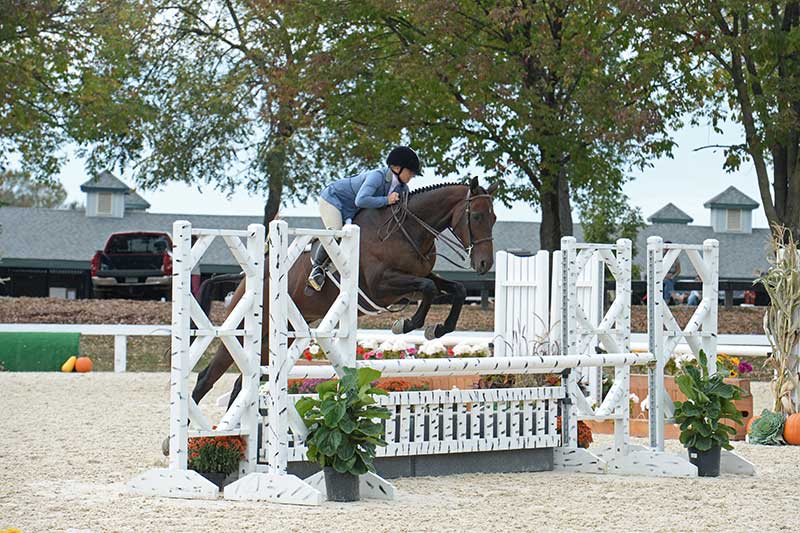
{"points": [[492, 188], [474, 185]]}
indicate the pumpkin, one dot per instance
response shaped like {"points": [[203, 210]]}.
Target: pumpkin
{"points": [[83, 364], [791, 429], [750, 424], [69, 364]]}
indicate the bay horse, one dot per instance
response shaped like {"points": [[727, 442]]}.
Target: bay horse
{"points": [[397, 255]]}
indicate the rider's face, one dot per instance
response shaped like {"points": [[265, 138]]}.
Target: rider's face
{"points": [[406, 175]]}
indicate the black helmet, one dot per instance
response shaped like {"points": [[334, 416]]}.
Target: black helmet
{"points": [[405, 157]]}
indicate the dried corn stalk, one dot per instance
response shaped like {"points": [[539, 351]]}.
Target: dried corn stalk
{"points": [[782, 319]]}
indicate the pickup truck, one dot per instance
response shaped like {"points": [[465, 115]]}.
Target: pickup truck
{"points": [[133, 264]]}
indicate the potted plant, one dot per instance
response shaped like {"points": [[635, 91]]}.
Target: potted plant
{"points": [[344, 430], [709, 399], [216, 458]]}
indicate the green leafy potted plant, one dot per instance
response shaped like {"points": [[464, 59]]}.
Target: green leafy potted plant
{"points": [[216, 458], [709, 399], [344, 430]]}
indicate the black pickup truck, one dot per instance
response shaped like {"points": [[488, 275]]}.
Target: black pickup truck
{"points": [[133, 264]]}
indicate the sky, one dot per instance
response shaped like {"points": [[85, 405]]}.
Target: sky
{"points": [[687, 180]]}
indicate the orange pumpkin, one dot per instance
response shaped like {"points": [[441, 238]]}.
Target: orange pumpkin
{"points": [[791, 430], [83, 364], [750, 424]]}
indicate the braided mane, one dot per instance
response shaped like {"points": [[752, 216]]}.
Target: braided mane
{"points": [[429, 188]]}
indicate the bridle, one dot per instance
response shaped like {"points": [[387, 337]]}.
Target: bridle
{"points": [[457, 245]]}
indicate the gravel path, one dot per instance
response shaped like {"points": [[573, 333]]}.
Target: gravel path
{"points": [[97, 431]]}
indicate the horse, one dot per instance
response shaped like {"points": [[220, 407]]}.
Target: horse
{"points": [[397, 252]]}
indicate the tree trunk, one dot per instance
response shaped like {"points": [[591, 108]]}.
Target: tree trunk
{"points": [[550, 229], [275, 168], [274, 193]]}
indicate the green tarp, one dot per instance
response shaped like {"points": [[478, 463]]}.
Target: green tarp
{"points": [[37, 352]]}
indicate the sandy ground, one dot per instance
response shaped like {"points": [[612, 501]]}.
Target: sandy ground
{"points": [[70, 442]]}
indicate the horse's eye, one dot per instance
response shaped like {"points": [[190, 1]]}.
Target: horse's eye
{"points": [[477, 217]]}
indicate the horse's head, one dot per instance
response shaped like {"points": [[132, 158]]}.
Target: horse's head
{"points": [[474, 226]]}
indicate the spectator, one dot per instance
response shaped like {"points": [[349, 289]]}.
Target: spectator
{"points": [[695, 295]]}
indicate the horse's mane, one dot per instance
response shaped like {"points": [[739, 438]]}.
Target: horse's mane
{"points": [[429, 188]]}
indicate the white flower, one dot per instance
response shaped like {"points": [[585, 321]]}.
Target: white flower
{"points": [[432, 347], [368, 345], [462, 348], [645, 405], [634, 398], [394, 345], [481, 349], [313, 349]]}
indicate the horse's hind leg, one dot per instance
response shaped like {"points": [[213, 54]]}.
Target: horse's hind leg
{"points": [[459, 294]]}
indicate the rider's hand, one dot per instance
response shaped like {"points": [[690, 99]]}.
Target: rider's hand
{"points": [[393, 198]]}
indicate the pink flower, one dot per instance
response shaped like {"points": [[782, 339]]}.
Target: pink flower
{"points": [[369, 355], [745, 367], [378, 355], [411, 351]]}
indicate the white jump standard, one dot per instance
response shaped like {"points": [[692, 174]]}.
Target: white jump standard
{"points": [[242, 417]]}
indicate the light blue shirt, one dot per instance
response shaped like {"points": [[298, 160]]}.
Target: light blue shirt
{"points": [[366, 190]]}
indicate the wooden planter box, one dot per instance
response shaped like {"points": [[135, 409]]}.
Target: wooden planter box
{"points": [[640, 423]]}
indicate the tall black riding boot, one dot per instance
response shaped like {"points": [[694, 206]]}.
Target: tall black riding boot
{"points": [[319, 258]]}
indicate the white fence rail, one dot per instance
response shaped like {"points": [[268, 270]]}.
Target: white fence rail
{"points": [[738, 345]]}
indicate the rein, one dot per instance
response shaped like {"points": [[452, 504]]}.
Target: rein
{"points": [[401, 212]]}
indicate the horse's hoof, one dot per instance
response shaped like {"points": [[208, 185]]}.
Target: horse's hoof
{"points": [[397, 327], [165, 447], [430, 332]]}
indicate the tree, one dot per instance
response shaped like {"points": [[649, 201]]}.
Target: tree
{"points": [[746, 62], [607, 218], [63, 67], [548, 98], [19, 189], [227, 82]]}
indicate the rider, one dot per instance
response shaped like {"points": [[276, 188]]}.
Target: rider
{"points": [[342, 199]]}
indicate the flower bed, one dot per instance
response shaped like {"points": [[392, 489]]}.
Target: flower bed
{"points": [[639, 419]]}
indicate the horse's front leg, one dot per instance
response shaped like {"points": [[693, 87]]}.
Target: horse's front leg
{"points": [[459, 294], [396, 285]]}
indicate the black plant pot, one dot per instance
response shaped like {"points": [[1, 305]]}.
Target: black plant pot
{"points": [[217, 478], [707, 462], [341, 487]]}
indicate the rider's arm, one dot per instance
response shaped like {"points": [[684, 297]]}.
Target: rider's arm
{"points": [[368, 195]]}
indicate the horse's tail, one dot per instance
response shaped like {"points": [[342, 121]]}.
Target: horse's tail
{"points": [[205, 293]]}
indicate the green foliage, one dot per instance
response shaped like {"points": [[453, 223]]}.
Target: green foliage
{"points": [[768, 429], [215, 454], [709, 399], [67, 74], [545, 97], [740, 63], [21, 190], [343, 432], [607, 215]]}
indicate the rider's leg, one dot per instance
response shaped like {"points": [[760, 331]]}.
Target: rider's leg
{"points": [[332, 219]]}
